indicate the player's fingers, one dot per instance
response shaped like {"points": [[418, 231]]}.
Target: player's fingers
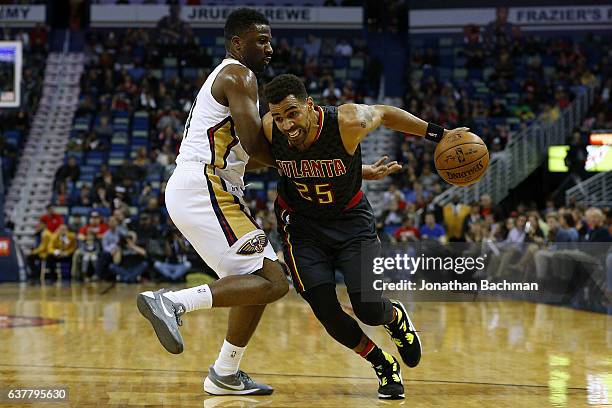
{"points": [[395, 168], [381, 161]]}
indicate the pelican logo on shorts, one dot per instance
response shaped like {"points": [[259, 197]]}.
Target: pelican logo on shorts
{"points": [[255, 244]]}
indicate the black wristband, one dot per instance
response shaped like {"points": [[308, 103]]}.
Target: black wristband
{"points": [[434, 132]]}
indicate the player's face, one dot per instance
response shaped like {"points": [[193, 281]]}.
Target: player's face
{"points": [[291, 116], [257, 48]]}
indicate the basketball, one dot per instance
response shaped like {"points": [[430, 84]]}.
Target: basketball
{"points": [[461, 158]]}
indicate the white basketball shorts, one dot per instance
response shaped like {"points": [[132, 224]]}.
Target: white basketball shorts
{"points": [[210, 213]]}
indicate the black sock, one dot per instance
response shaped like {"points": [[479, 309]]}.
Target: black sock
{"points": [[376, 357]]}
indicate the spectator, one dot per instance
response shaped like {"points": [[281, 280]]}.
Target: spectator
{"points": [[431, 230], [392, 195], [96, 224], [175, 264], [533, 229], [154, 168], [39, 254], [104, 130], [84, 199], [129, 260], [171, 29], [407, 232], [332, 94], [146, 195], [87, 262], [50, 221], [61, 248], [517, 233], [344, 49], [474, 217], [105, 180], [428, 178], [153, 212], [69, 171], [499, 31], [61, 194], [486, 205], [129, 173], [142, 160], [120, 206], [566, 231], [454, 215], [312, 47], [348, 92], [101, 198], [597, 231], [393, 216], [111, 238], [417, 193]]}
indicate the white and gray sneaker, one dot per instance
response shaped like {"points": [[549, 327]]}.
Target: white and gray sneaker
{"points": [[234, 384], [165, 316]]}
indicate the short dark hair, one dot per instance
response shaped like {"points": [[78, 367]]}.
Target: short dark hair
{"points": [[284, 85], [569, 220], [240, 20]]}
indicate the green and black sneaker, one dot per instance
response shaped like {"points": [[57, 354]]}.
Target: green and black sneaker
{"points": [[390, 383], [405, 336]]}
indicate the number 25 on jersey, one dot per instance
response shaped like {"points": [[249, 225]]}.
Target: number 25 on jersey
{"points": [[319, 193]]}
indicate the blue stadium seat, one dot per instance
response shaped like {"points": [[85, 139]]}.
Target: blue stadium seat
{"points": [[76, 210], [13, 137], [136, 73], [104, 211], [117, 113]]}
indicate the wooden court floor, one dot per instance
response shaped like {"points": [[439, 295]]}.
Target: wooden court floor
{"points": [[502, 354]]}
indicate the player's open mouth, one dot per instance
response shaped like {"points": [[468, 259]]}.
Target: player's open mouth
{"points": [[267, 60], [294, 134]]}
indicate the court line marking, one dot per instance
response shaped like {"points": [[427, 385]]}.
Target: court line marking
{"points": [[491, 384]]}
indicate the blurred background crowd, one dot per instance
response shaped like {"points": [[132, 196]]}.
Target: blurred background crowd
{"points": [[107, 218]]}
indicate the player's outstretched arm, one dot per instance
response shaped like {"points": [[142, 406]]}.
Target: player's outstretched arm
{"points": [[356, 121]]}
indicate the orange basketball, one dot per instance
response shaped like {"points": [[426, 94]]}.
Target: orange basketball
{"points": [[461, 159]]}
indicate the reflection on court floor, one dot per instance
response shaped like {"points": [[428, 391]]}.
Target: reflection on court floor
{"points": [[502, 354]]}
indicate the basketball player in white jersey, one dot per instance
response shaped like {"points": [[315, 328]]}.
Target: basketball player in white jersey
{"points": [[204, 200]]}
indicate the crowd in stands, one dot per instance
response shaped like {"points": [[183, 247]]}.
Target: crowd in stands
{"points": [[482, 221], [15, 122], [136, 92], [109, 219], [497, 80]]}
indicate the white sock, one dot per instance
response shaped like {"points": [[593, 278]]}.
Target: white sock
{"points": [[195, 298], [229, 359]]}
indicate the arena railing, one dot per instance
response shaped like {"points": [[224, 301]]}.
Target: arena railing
{"points": [[524, 152], [594, 191]]}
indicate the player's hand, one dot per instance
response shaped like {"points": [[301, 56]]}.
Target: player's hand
{"points": [[380, 169], [455, 131]]}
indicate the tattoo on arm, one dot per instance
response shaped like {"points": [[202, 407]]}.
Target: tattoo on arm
{"points": [[365, 116]]}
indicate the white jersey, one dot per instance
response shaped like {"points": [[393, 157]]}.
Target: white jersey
{"points": [[210, 136]]}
